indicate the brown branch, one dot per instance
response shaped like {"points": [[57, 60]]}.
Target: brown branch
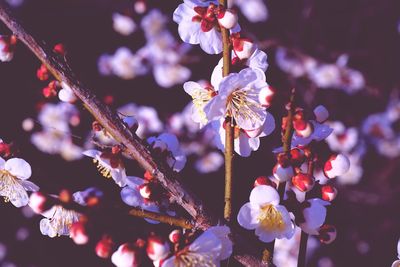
{"points": [[163, 218], [229, 124], [133, 145], [111, 122]]}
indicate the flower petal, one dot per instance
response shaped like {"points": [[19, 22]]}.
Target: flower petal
{"points": [[248, 216], [223, 232], [263, 194], [19, 168]]}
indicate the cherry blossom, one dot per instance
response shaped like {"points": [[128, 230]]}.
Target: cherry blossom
{"points": [[208, 249], [58, 221], [123, 24], [264, 214], [238, 97], [197, 24], [14, 175], [109, 165]]}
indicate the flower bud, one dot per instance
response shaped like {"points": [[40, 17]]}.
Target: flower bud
{"points": [[157, 248], [175, 236], [140, 6], [59, 49], [327, 234], [104, 247], [227, 18], [7, 45], [281, 173], [42, 73], [303, 128], [265, 96], [297, 156], [78, 233], [336, 165], [328, 192], [39, 202], [148, 176], [126, 256], [264, 180], [243, 48], [321, 114], [303, 182], [145, 191]]}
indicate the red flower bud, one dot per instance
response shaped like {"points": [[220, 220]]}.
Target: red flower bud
{"points": [[303, 182]]}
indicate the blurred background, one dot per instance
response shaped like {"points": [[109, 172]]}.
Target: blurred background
{"points": [[343, 54]]}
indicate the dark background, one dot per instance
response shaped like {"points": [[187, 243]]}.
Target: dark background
{"points": [[367, 30]]}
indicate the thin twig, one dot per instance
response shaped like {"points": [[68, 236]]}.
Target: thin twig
{"points": [[229, 125], [163, 218]]}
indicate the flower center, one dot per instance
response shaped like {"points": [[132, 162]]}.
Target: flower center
{"points": [[193, 259], [103, 170], [271, 219], [62, 220], [200, 99], [206, 17], [241, 105], [8, 182]]}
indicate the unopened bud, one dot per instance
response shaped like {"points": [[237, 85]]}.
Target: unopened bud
{"points": [[227, 18], [327, 234], [336, 165], [175, 236], [281, 173], [78, 233], [264, 180], [157, 248], [266, 95], [104, 247], [328, 192], [303, 182]]}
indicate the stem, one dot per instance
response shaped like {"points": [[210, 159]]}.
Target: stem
{"points": [[301, 262], [229, 125], [179, 222], [229, 147], [287, 144]]}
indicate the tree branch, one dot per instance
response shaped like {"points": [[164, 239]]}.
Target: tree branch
{"points": [[179, 222], [111, 122], [134, 146]]}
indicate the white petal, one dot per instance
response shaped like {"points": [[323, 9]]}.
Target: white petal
{"points": [[211, 42], [207, 243], [19, 168], [46, 229], [131, 197], [223, 232], [2, 163], [119, 176], [269, 125], [248, 216], [133, 182], [263, 194], [396, 263], [314, 216], [29, 186], [92, 153]]}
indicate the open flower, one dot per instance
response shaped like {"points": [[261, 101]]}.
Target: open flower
{"points": [[198, 24], [201, 93], [245, 141], [109, 165], [264, 214], [208, 249], [14, 174], [238, 97], [58, 221]]}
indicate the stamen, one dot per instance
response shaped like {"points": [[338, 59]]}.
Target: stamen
{"points": [[271, 219], [103, 170], [241, 104]]}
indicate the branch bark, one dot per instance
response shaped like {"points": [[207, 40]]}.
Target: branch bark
{"points": [[134, 146]]}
